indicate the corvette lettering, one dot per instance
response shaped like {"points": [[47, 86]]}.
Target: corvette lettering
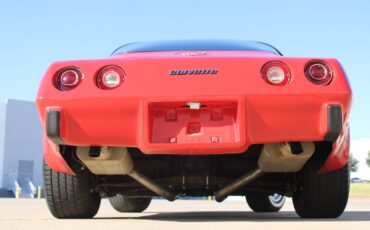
{"points": [[193, 72]]}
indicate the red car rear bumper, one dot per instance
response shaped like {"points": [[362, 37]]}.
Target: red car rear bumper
{"points": [[222, 125]]}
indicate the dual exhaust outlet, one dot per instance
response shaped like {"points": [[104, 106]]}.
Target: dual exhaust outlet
{"points": [[276, 157]]}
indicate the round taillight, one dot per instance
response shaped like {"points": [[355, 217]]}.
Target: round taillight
{"points": [[318, 72], [110, 77], [68, 78], [275, 73]]}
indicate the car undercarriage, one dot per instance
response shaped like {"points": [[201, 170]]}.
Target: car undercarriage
{"points": [[187, 175]]}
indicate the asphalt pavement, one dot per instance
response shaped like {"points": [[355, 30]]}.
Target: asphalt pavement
{"points": [[182, 214]]}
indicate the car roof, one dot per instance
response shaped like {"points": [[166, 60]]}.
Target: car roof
{"points": [[196, 45]]}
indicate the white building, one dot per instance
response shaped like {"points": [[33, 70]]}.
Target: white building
{"points": [[20, 147]]}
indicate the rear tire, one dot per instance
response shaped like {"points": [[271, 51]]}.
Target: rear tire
{"points": [[127, 204], [321, 195], [70, 196], [260, 202]]}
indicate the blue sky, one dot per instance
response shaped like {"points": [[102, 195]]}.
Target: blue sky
{"points": [[34, 34]]}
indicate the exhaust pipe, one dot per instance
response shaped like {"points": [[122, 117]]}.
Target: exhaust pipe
{"points": [[117, 161], [276, 157], [151, 185], [237, 184]]}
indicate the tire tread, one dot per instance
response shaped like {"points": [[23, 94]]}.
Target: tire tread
{"points": [[69, 196], [127, 204], [322, 195]]}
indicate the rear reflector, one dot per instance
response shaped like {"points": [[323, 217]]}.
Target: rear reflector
{"points": [[276, 73], [68, 78]]}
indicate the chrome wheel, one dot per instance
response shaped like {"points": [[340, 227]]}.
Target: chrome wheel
{"points": [[277, 200]]}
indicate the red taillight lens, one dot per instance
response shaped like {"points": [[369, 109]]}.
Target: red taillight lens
{"points": [[110, 77], [68, 78], [318, 72], [275, 73]]}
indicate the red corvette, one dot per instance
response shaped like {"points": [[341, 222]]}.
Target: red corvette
{"points": [[196, 118]]}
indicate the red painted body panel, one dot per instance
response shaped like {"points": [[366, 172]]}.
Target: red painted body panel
{"points": [[134, 114], [339, 156], [53, 157]]}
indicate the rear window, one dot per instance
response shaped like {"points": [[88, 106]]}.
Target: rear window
{"points": [[196, 45]]}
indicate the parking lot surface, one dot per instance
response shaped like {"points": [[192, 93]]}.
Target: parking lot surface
{"points": [[182, 214]]}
